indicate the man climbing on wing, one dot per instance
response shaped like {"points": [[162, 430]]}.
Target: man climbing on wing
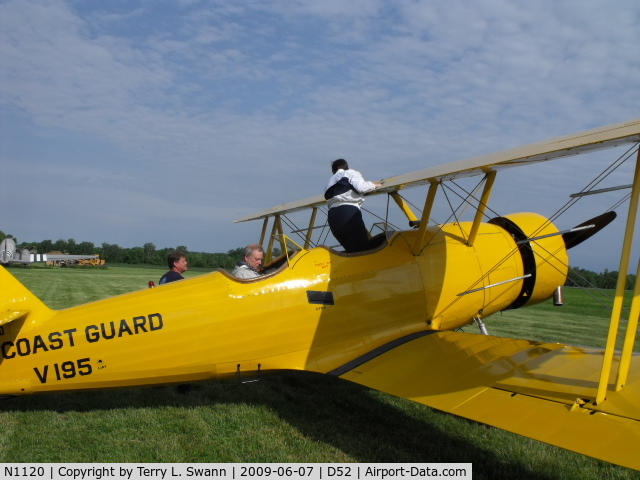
{"points": [[345, 194]]}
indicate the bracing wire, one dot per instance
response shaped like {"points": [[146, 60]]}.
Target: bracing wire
{"points": [[591, 185]]}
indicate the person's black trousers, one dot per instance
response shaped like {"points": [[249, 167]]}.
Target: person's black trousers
{"points": [[348, 227]]}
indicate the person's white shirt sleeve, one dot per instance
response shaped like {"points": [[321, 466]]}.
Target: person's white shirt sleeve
{"points": [[359, 183]]}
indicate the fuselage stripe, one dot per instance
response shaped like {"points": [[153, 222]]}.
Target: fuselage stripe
{"points": [[376, 352]]}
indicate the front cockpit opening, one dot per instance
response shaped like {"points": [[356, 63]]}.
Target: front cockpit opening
{"points": [[277, 260]]}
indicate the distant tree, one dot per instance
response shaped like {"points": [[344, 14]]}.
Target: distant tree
{"points": [[609, 279], [60, 245], [71, 247], [112, 253], [223, 260], [197, 259], [149, 252], [236, 253], [161, 256], [133, 255], [86, 248], [580, 277], [45, 246]]}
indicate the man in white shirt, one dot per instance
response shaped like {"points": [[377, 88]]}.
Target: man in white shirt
{"points": [[249, 265], [345, 194]]}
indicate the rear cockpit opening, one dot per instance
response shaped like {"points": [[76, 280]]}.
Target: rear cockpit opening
{"points": [[379, 237]]}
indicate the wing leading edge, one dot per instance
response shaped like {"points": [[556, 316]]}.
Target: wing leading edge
{"points": [[544, 391], [596, 139]]}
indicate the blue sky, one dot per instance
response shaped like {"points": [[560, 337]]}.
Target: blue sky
{"points": [[153, 121]]}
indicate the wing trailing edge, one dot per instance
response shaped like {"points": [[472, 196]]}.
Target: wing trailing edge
{"points": [[544, 391]]}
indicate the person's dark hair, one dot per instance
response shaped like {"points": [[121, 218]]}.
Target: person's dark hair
{"points": [[173, 257], [339, 164], [249, 249]]}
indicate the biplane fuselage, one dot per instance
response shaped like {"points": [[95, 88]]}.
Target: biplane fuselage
{"points": [[318, 311]]}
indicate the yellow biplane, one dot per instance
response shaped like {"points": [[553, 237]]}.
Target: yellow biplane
{"points": [[387, 318]]}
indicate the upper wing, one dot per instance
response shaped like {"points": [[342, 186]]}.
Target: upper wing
{"points": [[540, 390], [587, 141]]}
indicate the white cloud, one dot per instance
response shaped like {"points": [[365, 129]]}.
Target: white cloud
{"points": [[207, 105]]}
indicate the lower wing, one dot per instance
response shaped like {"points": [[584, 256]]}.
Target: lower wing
{"points": [[544, 391]]}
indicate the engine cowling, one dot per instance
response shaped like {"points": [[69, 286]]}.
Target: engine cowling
{"points": [[545, 259], [463, 281]]}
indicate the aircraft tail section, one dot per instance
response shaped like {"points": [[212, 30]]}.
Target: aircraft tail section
{"points": [[7, 250], [17, 301]]}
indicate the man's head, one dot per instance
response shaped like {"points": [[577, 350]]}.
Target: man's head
{"points": [[339, 164], [177, 261], [253, 255]]}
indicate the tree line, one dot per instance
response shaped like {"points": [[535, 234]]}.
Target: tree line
{"points": [[580, 277], [148, 254]]}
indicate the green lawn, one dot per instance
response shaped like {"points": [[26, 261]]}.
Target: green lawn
{"points": [[288, 417], [583, 320]]}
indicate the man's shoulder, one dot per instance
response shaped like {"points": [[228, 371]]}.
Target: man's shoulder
{"points": [[170, 276], [243, 271], [238, 269]]}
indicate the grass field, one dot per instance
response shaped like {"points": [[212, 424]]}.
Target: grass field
{"points": [[289, 417]]}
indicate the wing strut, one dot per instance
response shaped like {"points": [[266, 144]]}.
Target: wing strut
{"points": [[617, 302], [482, 206], [312, 221], [404, 207], [276, 231], [627, 349], [264, 230], [426, 213]]}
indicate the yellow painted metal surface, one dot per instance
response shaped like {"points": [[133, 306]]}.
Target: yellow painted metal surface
{"points": [[450, 268], [529, 388], [211, 326], [550, 254], [215, 326]]}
